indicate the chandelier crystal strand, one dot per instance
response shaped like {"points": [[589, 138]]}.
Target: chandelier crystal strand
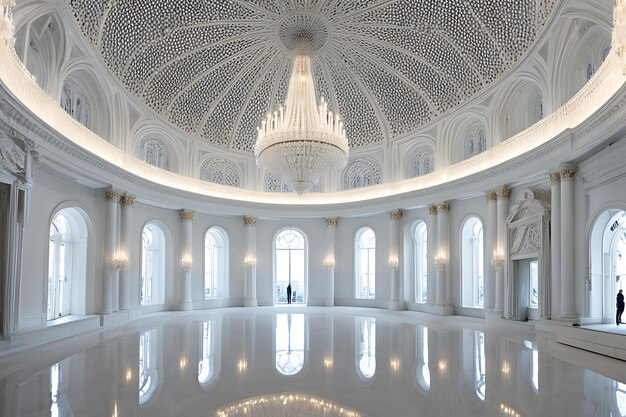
{"points": [[302, 141]]}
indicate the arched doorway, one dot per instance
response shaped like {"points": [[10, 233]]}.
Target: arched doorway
{"points": [[607, 253], [290, 266]]}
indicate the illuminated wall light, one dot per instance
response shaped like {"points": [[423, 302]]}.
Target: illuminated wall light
{"points": [[129, 374], [329, 262], [393, 263], [443, 365], [249, 261], [186, 263], [182, 363], [328, 362]]}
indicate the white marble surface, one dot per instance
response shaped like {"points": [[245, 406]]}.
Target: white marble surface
{"points": [[98, 374]]}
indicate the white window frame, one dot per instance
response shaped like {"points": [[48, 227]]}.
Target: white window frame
{"points": [[365, 279]]}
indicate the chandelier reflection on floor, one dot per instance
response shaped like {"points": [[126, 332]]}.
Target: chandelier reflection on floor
{"points": [[302, 141]]}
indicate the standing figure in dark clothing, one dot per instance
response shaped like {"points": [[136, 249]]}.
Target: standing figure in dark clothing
{"points": [[289, 295], [620, 307]]}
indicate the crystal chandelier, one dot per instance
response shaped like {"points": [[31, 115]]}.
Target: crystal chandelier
{"points": [[302, 141]]}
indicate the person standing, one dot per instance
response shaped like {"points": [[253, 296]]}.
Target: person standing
{"points": [[289, 295], [620, 307]]}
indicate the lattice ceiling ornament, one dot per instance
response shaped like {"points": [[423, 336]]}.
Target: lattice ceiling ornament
{"points": [[214, 67]]}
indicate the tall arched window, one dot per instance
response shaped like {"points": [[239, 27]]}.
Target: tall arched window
{"points": [[472, 263], [215, 263], [290, 266], [290, 343], [480, 383], [422, 370], [155, 153], [152, 265], [366, 349], [420, 256], [365, 265], [148, 371], [67, 260]]}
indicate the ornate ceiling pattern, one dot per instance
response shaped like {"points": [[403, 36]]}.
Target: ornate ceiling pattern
{"points": [[215, 67]]}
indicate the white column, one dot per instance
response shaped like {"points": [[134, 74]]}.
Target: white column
{"points": [[555, 244], [431, 250], [128, 202], [491, 239], [394, 260], [329, 260], [502, 248], [249, 296], [110, 274], [442, 254], [568, 281], [186, 258]]}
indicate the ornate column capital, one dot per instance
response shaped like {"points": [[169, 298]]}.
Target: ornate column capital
{"points": [[503, 193], [554, 177], [128, 200], [249, 221], [331, 221], [568, 173], [395, 215], [443, 208], [186, 215], [491, 196], [432, 210], [112, 195]]}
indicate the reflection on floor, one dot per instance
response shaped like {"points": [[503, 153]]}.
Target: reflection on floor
{"points": [[309, 362]]}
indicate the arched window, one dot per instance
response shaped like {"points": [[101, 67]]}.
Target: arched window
{"points": [[215, 263], [421, 162], [75, 103], [365, 257], [290, 258], [148, 372], [152, 264], [209, 363], [366, 350], [67, 260], [422, 370], [220, 171], [475, 142], [472, 263], [420, 245], [290, 343], [536, 109], [155, 153], [361, 173], [480, 383]]}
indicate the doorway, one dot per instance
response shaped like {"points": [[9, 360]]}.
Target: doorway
{"points": [[290, 267], [527, 274]]}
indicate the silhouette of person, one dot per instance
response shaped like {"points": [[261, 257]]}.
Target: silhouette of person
{"points": [[289, 294], [620, 307]]}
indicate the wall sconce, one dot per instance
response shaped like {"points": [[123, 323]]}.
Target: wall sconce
{"points": [[440, 261], [182, 363], [129, 374], [506, 368], [328, 362], [497, 260], [394, 364], [393, 263], [443, 366], [329, 263], [119, 262], [186, 264], [249, 262]]}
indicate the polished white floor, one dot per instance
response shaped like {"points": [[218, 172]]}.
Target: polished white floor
{"points": [[300, 362]]}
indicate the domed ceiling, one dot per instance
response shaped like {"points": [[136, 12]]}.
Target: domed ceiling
{"points": [[215, 67]]}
